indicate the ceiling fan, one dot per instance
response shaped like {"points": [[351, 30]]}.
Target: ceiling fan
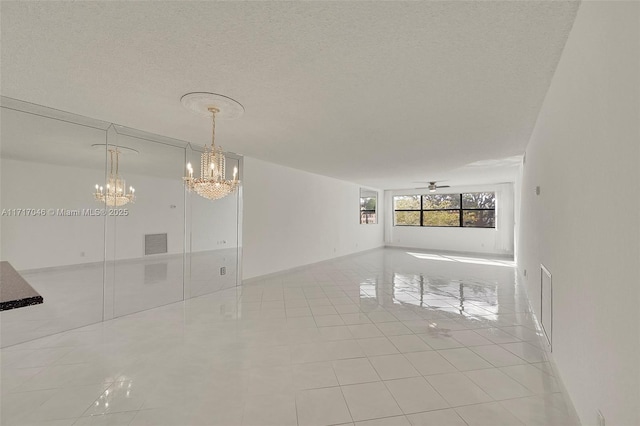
{"points": [[432, 186]]}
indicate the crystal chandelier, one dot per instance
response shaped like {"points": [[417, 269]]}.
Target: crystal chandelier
{"points": [[212, 183], [116, 191]]}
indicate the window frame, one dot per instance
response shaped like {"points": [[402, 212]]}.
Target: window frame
{"points": [[406, 210], [460, 211]]}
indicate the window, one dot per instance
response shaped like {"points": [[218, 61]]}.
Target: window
{"points": [[471, 210], [368, 206]]}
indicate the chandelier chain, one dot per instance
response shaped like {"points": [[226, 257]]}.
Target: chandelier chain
{"points": [[213, 127]]}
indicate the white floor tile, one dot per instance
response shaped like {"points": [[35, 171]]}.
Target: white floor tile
{"points": [[347, 309], [497, 355], [440, 341], [386, 421], [496, 335], [356, 318], [464, 359], [298, 312], [396, 328], [14, 377], [66, 403], [523, 333], [272, 410], [534, 379], [526, 351], [414, 395], [430, 362], [356, 370], [374, 346], [344, 349], [491, 414], [61, 422], [497, 384], [370, 401], [323, 310], [381, 317], [470, 338], [457, 389], [117, 419], [540, 410], [364, 331], [437, 418], [328, 320], [16, 406], [322, 407], [339, 332], [314, 375], [393, 367], [267, 380]]}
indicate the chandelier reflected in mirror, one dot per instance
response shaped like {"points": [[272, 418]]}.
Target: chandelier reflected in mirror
{"points": [[212, 183], [115, 193]]}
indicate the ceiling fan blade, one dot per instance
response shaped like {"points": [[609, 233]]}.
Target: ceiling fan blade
{"points": [[443, 186]]}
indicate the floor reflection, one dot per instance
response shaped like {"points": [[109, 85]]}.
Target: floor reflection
{"points": [[463, 259], [381, 335], [73, 295]]}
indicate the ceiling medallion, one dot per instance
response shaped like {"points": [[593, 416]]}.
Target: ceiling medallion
{"points": [[212, 183]]}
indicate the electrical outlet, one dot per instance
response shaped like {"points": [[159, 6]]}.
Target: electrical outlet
{"points": [[223, 270], [600, 418]]}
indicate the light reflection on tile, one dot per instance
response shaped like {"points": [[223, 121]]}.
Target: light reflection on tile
{"points": [[360, 334]]}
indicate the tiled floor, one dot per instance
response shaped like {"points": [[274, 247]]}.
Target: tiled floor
{"points": [[381, 338]]}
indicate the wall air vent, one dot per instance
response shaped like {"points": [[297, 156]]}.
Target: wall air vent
{"points": [[155, 244]]}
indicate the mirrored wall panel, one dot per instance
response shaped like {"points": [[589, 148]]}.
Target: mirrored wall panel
{"points": [[50, 233], [212, 251], [97, 222], [149, 246]]}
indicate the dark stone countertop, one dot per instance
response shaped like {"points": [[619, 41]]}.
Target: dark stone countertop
{"points": [[15, 292]]}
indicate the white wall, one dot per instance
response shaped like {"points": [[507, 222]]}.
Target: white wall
{"points": [[293, 218], [475, 240], [584, 225]]}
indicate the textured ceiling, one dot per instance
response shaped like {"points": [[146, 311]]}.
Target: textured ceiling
{"points": [[380, 93]]}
